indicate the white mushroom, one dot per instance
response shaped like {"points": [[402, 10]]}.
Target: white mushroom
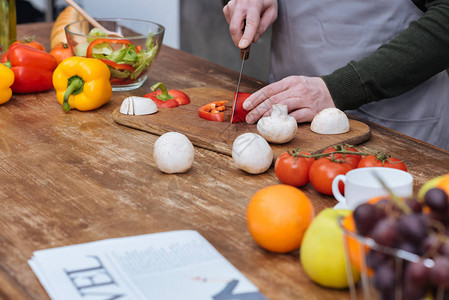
{"points": [[279, 127], [251, 153], [138, 106], [173, 153], [330, 121]]}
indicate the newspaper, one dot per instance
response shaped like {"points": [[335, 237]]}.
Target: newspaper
{"points": [[171, 265]]}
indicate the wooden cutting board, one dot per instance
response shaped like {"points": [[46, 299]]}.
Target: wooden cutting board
{"points": [[219, 136]]}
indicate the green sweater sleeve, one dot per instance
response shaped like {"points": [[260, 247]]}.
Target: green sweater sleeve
{"points": [[413, 56]]}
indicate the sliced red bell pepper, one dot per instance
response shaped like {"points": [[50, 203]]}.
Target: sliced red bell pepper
{"points": [[164, 98], [33, 68], [109, 41], [212, 111], [164, 104], [239, 112], [118, 66]]}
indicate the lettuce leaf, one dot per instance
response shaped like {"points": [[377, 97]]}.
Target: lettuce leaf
{"points": [[127, 54], [95, 32]]}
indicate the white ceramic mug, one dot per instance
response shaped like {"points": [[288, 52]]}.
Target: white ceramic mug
{"points": [[362, 184]]}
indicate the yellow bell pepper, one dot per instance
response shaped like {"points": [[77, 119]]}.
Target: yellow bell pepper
{"points": [[7, 79], [82, 83]]}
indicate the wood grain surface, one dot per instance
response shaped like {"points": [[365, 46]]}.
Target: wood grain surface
{"points": [[219, 136], [69, 178]]}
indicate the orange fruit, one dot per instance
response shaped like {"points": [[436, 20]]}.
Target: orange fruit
{"points": [[277, 217], [444, 184], [356, 250]]}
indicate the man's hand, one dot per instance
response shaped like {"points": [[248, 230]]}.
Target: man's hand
{"points": [[304, 97], [259, 15]]}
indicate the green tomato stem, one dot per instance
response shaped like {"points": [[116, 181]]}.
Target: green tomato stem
{"points": [[330, 153]]}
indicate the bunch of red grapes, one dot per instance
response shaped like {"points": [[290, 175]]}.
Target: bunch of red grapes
{"points": [[418, 227]]}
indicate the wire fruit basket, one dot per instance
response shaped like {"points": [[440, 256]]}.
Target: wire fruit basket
{"points": [[385, 272]]}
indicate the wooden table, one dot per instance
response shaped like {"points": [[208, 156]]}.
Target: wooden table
{"points": [[69, 178]]}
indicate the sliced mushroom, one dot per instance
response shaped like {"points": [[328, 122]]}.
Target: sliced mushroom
{"points": [[138, 106], [330, 121]]}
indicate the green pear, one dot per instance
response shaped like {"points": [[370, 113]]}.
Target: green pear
{"points": [[428, 185], [322, 251]]}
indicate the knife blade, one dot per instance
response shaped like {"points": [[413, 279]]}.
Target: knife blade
{"points": [[244, 54]]}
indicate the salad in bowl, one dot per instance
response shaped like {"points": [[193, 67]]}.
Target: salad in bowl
{"points": [[129, 57]]}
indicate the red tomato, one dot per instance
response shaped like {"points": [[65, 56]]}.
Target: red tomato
{"points": [[322, 173], [61, 51], [292, 169], [29, 41], [351, 159], [382, 160]]}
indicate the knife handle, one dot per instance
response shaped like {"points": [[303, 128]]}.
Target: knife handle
{"points": [[244, 53]]}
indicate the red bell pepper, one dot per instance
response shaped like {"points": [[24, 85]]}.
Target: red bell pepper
{"points": [[239, 112], [166, 99], [212, 111], [109, 41], [33, 68]]}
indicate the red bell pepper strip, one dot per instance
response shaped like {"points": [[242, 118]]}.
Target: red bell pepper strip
{"points": [[118, 66], [239, 112], [212, 111], [121, 81], [109, 41], [33, 68], [164, 98]]}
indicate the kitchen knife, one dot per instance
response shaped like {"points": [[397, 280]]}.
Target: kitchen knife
{"points": [[244, 54]]}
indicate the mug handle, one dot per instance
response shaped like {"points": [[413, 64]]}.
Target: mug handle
{"points": [[336, 190]]}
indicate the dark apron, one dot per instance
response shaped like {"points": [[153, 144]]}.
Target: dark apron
{"points": [[313, 38]]}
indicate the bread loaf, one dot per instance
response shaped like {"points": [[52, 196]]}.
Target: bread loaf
{"points": [[67, 16]]}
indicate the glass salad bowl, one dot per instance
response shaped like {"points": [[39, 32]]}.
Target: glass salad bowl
{"points": [[129, 57]]}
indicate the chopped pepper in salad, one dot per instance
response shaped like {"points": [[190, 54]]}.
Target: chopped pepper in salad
{"points": [[126, 62]]}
